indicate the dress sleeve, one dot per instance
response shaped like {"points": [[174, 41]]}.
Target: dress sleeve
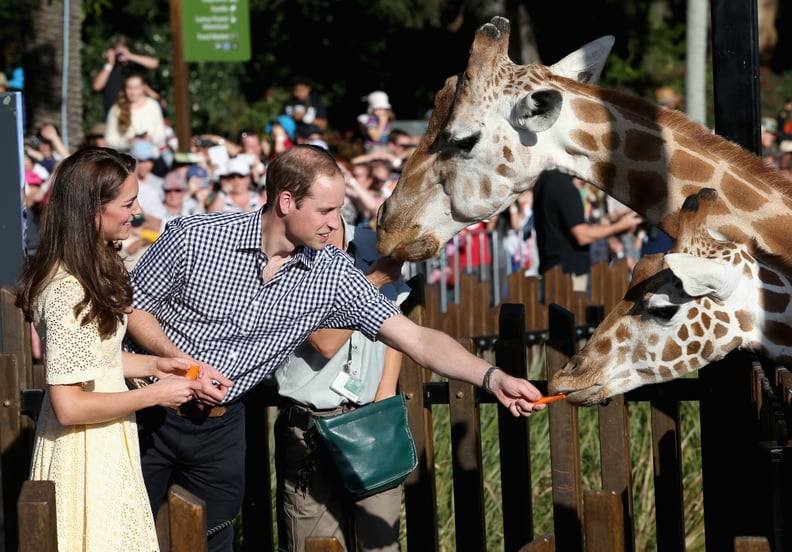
{"points": [[71, 349]]}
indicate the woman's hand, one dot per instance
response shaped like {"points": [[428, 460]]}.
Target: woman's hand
{"points": [[173, 391]]}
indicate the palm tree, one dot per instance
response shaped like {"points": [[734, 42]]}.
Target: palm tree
{"points": [[48, 99]]}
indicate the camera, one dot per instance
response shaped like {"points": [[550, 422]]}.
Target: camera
{"points": [[204, 143]]}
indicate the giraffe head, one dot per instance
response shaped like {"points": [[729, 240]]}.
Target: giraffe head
{"points": [[684, 309], [466, 168]]}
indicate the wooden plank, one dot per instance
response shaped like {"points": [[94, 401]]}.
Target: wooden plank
{"points": [[604, 527], [564, 439], [38, 530], [465, 426], [14, 462], [545, 543], [15, 331], [514, 434], [257, 522], [420, 491], [616, 465], [751, 544], [667, 458], [186, 521]]}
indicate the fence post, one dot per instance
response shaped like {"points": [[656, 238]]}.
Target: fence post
{"points": [[186, 521], [38, 531], [604, 524], [511, 351], [564, 441]]}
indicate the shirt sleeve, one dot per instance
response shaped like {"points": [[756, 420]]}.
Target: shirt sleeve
{"points": [[72, 350], [160, 271]]}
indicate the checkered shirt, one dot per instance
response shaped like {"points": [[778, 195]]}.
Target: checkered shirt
{"points": [[202, 279]]}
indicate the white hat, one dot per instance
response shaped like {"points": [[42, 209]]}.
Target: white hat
{"points": [[238, 165], [378, 100]]}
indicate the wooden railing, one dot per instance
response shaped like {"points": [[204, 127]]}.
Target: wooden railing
{"points": [[745, 411]]}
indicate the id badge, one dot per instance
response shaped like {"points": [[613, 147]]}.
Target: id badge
{"points": [[347, 386]]}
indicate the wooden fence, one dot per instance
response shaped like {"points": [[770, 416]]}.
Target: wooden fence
{"points": [[744, 404]]}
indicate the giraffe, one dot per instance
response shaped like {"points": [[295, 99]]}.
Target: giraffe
{"points": [[498, 125], [691, 306]]}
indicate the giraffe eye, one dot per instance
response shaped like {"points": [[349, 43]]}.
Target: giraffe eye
{"points": [[465, 144], [665, 312]]}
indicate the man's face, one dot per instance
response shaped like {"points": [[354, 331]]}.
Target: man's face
{"points": [[144, 167], [319, 215], [302, 91], [251, 143]]}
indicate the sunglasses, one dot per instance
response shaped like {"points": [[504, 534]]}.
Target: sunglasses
{"points": [[174, 191]]}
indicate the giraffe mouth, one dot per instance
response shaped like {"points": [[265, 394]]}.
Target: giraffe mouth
{"points": [[591, 396]]}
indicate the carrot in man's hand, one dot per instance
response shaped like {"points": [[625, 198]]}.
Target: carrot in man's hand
{"points": [[192, 373], [551, 398]]}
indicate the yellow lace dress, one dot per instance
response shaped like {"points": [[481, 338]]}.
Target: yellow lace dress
{"points": [[102, 505]]}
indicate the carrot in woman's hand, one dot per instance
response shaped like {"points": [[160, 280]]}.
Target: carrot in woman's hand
{"points": [[551, 398], [192, 373]]}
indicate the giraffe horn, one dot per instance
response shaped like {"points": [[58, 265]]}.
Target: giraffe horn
{"points": [[490, 44]]}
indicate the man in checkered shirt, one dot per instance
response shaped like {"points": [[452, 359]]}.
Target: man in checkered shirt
{"points": [[237, 293]]}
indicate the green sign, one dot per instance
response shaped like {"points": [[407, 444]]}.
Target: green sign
{"points": [[216, 30]]}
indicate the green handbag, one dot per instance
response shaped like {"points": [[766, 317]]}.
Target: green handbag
{"points": [[372, 446]]}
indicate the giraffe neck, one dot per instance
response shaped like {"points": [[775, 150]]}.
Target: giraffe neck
{"points": [[650, 159]]}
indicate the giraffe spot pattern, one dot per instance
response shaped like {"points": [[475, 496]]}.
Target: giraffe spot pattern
{"points": [[773, 301], [647, 188], [671, 351], [687, 167], [768, 229], [505, 171], [611, 141], [736, 193], [590, 111], [722, 316], [584, 139], [605, 173], [641, 146], [778, 332], [696, 330], [745, 321], [604, 347], [769, 277]]}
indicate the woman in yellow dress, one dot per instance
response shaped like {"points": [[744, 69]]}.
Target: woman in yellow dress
{"points": [[76, 291]]}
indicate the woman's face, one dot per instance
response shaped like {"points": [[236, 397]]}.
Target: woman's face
{"points": [[116, 216], [133, 88]]}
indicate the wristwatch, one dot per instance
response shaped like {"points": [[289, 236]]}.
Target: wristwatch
{"points": [[486, 383]]}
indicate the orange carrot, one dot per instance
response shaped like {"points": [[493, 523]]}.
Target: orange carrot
{"points": [[192, 373], [552, 398]]}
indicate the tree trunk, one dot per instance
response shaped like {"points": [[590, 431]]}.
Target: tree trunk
{"points": [[46, 97]]}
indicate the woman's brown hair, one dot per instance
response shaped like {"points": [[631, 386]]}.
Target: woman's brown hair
{"points": [[70, 236]]}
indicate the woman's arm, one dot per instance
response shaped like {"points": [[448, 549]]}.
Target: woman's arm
{"points": [[77, 404]]}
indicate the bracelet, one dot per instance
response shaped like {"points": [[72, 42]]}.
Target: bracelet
{"points": [[108, 67], [486, 383]]}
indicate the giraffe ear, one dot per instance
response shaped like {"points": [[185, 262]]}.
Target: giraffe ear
{"points": [[701, 276], [537, 111], [586, 63]]}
